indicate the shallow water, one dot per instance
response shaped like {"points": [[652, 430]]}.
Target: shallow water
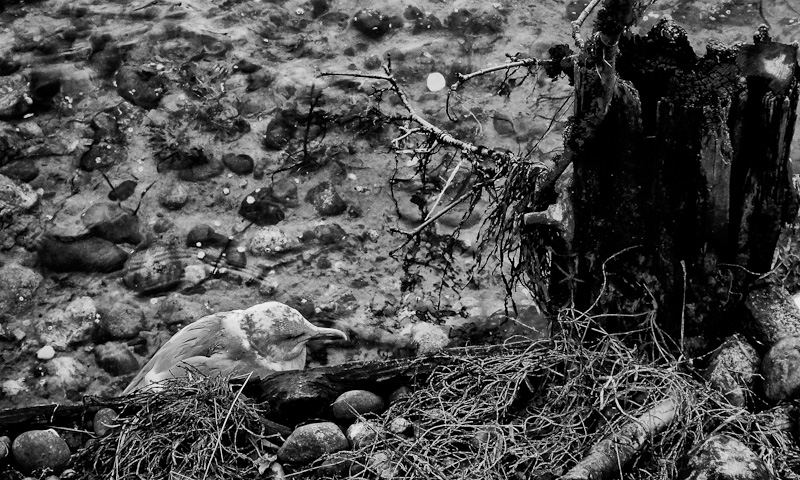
{"points": [[201, 49]]}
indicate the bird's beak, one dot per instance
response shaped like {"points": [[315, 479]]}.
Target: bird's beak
{"points": [[320, 332]]}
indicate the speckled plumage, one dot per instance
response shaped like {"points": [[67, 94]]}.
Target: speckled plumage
{"points": [[264, 338]]}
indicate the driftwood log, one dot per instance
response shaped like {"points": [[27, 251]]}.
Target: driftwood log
{"points": [[292, 396]]}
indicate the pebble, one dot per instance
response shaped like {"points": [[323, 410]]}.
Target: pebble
{"points": [[284, 192], [270, 241], [37, 449], [364, 433], [202, 235], [400, 426], [371, 23], [111, 222], [429, 23], [60, 329], [780, 369], [326, 234], [23, 170], [240, 164], [120, 320], [174, 196], [104, 421], [199, 173], [503, 125], [123, 191], [280, 130], [154, 270], [84, 255], [722, 457], [311, 441], [246, 66], [18, 285], [429, 338], [46, 353], [115, 358], [15, 197], [260, 208], [140, 87], [349, 405], [326, 200], [180, 309]]}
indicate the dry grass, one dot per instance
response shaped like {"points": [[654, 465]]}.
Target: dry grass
{"points": [[529, 413], [194, 428], [534, 414]]}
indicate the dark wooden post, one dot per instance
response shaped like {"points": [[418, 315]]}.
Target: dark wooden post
{"points": [[682, 179]]}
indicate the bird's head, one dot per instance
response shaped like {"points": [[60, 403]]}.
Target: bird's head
{"points": [[279, 332]]}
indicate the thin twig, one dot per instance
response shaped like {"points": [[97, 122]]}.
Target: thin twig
{"points": [[435, 217]]}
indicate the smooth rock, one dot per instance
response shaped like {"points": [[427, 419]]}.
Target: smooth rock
{"points": [[260, 208], [61, 329], [429, 338], [364, 433], [400, 426], [239, 164], [37, 449], [722, 457], [84, 255], [311, 441], [503, 125], [326, 200], [326, 234], [123, 190], [46, 353], [115, 358], [180, 309], [733, 369], [202, 235], [200, 173], [111, 222], [280, 130], [269, 241], [371, 23], [104, 421], [349, 405], [23, 170], [120, 320], [284, 192], [154, 270], [18, 285], [780, 369], [15, 198], [174, 196]]}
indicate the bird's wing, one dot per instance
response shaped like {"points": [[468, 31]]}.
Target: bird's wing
{"points": [[195, 341]]}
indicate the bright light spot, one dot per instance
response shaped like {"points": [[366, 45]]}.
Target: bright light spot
{"points": [[436, 82]]}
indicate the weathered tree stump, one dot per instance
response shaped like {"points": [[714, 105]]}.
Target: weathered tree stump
{"points": [[682, 181]]}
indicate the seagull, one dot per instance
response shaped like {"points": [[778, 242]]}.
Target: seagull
{"points": [[265, 338]]}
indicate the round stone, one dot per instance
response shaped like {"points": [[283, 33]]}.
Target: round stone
{"points": [[38, 449]]}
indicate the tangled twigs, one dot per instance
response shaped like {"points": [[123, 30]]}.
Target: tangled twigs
{"points": [[525, 62], [425, 127]]}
